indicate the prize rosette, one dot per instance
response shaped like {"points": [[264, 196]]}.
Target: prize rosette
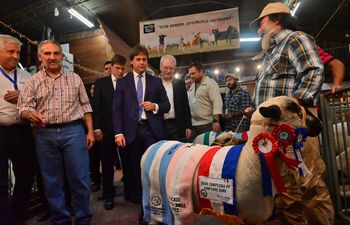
{"points": [[298, 143], [266, 145], [285, 135]]}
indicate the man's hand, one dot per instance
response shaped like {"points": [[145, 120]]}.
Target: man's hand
{"points": [[216, 126], [11, 96], [227, 116], [148, 106], [120, 141], [90, 140], [36, 119], [98, 135], [188, 133], [335, 87]]}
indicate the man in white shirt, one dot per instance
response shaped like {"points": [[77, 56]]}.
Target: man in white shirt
{"points": [[102, 104], [16, 139], [177, 122]]}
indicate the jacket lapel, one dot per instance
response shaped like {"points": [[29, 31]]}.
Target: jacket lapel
{"points": [[131, 84]]}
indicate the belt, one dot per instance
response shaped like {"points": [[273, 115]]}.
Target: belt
{"points": [[141, 122], [60, 125]]}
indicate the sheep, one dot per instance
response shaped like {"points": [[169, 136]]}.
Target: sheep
{"points": [[200, 37], [230, 33], [211, 137], [252, 205], [152, 44], [166, 41]]}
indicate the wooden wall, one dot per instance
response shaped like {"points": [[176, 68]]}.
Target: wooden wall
{"points": [[92, 49]]}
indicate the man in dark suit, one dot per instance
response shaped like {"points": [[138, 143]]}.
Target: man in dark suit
{"points": [[102, 115], [139, 103], [177, 121]]}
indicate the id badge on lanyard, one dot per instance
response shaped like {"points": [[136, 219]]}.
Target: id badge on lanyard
{"points": [[14, 80]]}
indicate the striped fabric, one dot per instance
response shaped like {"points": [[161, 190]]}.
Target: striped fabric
{"points": [[206, 138], [179, 182], [292, 67], [220, 163], [209, 137], [60, 100], [154, 164]]}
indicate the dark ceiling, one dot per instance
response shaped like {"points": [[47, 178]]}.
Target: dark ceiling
{"points": [[33, 17]]}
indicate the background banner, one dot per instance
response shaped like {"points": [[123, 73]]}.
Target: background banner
{"points": [[202, 32]]}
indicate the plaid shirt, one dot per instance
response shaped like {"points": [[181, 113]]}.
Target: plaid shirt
{"points": [[60, 100], [236, 101], [292, 67]]}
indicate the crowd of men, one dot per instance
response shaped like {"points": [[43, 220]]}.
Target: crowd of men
{"points": [[129, 112]]}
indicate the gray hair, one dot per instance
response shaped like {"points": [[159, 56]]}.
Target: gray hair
{"points": [[5, 39], [170, 57], [49, 42]]}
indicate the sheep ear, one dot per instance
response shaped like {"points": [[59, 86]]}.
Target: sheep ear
{"points": [[313, 124], [273, 112]]}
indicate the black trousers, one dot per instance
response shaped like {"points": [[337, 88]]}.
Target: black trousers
{"points": [[108, 151], [94, 163], [16, 144], [131, 158]]}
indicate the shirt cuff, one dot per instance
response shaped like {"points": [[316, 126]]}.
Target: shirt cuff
{"points": [[98, 130], [117, 135], [156, 109]]}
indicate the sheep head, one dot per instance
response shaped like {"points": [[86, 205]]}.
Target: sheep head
{"points": [[287, 110]]}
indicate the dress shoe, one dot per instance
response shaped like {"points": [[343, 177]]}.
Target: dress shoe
{"points": [[108, 204], [95, 187], [101, 197], [43, 216]]}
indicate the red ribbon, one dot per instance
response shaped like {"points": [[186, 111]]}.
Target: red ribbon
{"points": [[268, 145], [285, 135]]}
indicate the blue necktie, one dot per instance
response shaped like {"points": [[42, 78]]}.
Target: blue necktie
{"points": [[139, 91]]}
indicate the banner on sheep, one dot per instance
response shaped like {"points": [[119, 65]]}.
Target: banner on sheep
{"points": [[202, 32]]}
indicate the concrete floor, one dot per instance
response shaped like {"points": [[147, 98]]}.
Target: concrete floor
{"points": [[123, 213]]}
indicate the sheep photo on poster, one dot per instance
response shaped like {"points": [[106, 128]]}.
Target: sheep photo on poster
{"points": [[202, 32]]}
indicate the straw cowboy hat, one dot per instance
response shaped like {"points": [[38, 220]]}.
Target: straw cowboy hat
{"points": [[271, 8]]}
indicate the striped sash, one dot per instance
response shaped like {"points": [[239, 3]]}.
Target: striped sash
{"points": [[179, 182], [154, 165]]}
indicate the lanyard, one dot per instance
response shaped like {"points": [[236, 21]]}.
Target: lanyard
{"points": [[14, 80]]}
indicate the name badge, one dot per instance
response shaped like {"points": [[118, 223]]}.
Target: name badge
{"points": [[216, 190]]}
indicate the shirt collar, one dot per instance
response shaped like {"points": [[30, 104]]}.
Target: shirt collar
{"points": [[281, 35], [136, 74], [60, 74], [10, 71]]}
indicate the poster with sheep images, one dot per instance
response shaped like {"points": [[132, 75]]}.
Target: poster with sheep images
{"points": [[195, 33]]}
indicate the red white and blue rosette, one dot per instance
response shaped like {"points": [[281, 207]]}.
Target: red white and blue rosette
{"points": [[298, 143], [266, 146], [285, 135]]}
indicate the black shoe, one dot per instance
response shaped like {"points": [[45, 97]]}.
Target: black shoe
{"points": [[95, 187], [142, 221], [108, 204], [45, 215]]}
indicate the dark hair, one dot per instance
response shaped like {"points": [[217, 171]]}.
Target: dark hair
{"points": [[107, 62], [118, 59], [137, 49], [197, 65], [286, 20]]}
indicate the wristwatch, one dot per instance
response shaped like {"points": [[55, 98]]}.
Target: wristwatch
{"points": [[215, 121]]}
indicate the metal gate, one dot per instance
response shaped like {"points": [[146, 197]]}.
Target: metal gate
{"points": [[335, 147]]}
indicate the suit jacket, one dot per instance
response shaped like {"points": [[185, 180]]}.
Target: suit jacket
{"points": [[102, 103], [125, 106], [181, 107]]}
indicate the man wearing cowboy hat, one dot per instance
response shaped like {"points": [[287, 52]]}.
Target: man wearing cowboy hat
{"points": [[236, 101], [292, 67]]}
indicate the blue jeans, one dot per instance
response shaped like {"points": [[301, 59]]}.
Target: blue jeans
{"points": [[63, 150]]}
